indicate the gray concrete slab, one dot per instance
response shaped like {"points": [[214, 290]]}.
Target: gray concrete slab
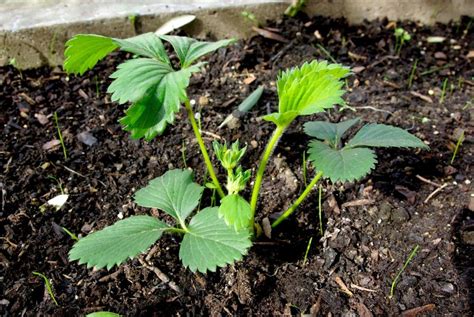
{"points": [[34, 31]]}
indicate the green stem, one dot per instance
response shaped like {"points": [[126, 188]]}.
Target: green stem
{"points": [[177, 230], [261, 168], [202, 146], [298, 201]]}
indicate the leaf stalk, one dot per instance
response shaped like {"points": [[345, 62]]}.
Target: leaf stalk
{"points": [[203, 149], [261, 169], [298, 201]]}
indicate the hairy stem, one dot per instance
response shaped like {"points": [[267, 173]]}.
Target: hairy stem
{"points": [[261, 169], [202, 146], [298, 201]]}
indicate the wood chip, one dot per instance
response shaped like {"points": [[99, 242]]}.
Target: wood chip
{"points": [[334, 205], [362, 310], [83, 94], [267, 227], [409, 194], [343, 286], [359, 202], [249, 79], [270, 35], [51, 144], [314, 310], [470, 54], [27, 98], [422, 97], [358, 69], [42, 119], [357, 57], [418, 310]]}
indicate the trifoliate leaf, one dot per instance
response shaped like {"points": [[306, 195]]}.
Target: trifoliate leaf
{"points": [[236, 211], [210, 243], [135, 77], [341, 164], [147, 45], [311, 88], [174, 192], [83, 51], [115, 244], [381, 135], [189, 50], [327, 131]]}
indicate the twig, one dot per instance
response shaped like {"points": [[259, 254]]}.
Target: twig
{"points": [[211, 134], [162, 276], [437, 190], [343, 286], [73, 171], [363, 288], [355, 203], [421, 178], [374, 109]]}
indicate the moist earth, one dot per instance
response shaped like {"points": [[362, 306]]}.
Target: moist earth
{"points": [[370, 226]]}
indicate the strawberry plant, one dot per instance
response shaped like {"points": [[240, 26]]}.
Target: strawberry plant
{"points": [[214, 236]]}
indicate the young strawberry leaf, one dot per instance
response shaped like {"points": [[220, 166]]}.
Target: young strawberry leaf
{"points": [[115, 244], [381, 135], [135, 77], [147, 45], [236, 211], [161, 99], [174, 192], [308, 89], [210, 243], [83, 51], [341, 164], [327, 131], [189, 50]]}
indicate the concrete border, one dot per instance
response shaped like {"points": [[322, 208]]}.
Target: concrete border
{"points": [[42, 43]]}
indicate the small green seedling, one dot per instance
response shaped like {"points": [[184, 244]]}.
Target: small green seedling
{"points": [[295, 7], [70, 234], [307, 251], [48, 286], [443, 91], [458, 145], [14, 63], [412, 73], [60, 135], [214, 236], [397, 277], [250, 17], [401, 36]]}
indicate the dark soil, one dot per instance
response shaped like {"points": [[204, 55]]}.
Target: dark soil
{"points": [[364, 245]]}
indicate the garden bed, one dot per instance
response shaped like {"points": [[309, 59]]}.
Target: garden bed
{"points": [[370, 226]]}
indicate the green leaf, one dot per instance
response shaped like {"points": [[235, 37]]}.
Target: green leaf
{"points": [[113, 245], [281, 119], [381, 135], [236, 211], [135, 77], [103, 314], [311, 88], [157, 92], [210, 243], [147, 45], [174, 192], [83, 51], [189, 50], [251, 100], [327, 131], [343, 164]]}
